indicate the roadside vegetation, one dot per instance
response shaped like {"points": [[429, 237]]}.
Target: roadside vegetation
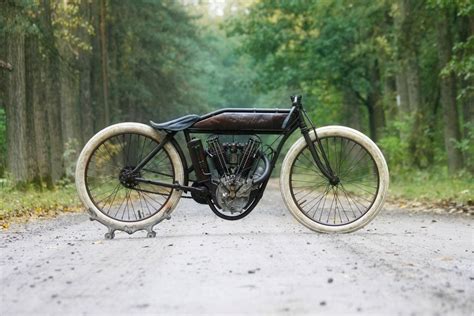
{"points": [[19, 205], [433, 191]]}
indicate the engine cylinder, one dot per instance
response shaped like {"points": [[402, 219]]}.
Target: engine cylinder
{"points": [[216, 151], [249, 154]]}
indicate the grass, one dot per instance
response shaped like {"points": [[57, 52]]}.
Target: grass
{"points": [[16, 204], [433, 188]]}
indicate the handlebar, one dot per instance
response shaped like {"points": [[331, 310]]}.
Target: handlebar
{"points": [[296, 100]]}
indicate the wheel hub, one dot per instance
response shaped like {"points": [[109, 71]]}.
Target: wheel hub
{"points": [[128, 178], [334, 181]]}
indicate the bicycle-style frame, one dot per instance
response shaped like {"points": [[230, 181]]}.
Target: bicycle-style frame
{"points": [[295, 118]]}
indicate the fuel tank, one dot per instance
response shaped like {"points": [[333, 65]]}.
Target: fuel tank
{"points": [[242, 121]]}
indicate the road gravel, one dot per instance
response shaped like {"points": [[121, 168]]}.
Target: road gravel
{"points": [[403, 263]]}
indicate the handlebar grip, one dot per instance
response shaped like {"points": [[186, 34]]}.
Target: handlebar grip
{"points": [[296, 100]]}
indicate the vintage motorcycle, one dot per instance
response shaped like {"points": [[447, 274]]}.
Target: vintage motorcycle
{"points": [[130, 176]]}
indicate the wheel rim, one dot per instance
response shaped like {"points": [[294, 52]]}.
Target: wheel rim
{"points": [[344, 202], [112, 187]]}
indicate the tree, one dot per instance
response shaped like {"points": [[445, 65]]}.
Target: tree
{"points": [[325, 44], [448, 93], [377, 59], [79, 65]]}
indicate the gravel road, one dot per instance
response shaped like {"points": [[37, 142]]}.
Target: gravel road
{"points": [[401, 264]]}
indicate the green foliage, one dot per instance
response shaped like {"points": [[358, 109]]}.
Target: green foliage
{"points": [[300, 51], [16, 17], [466, 145], [394, 147], [224, 78], [339, 48], [395, 152], [462, 63], [155, 44], [433, 185], [68, 23]]}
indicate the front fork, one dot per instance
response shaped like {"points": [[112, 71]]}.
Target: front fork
{"points": [[325, 167]]}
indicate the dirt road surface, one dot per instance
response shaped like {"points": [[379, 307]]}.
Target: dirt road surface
{"points": [[401, 264]]}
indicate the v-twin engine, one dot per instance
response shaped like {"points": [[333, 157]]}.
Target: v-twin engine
{"points": [[235, 168]]}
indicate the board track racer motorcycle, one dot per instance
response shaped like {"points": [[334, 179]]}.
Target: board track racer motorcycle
{"points": [[130, 176]]}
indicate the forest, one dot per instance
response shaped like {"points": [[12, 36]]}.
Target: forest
{"points": [[401, 71]]}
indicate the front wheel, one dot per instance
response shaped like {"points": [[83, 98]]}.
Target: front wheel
{"points": [[343, 207]]}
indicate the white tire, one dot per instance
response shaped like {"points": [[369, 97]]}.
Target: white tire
{"points": [[85, 156], [380, 163]]}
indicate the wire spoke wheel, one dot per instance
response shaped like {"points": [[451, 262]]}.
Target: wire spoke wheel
{"points": [[341, 203], [111, 183]]}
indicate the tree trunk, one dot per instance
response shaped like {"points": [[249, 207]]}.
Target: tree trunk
{"points": [[69, 112], [96, 84], [38, 165], [411, 100], [85, 102], [400, 20], [85, 76], [3, 100], [465, 31], [3, 72], [390, 98], [402, 91], [376, 117], [104, 61], [351, 110], [114, 57], [375, 99], [448, 95], [69, 97], [413, 84], [408, 46], [16, 112], [468, 105], [52, 95], [42, 134], [372, 124], [53, 105], [379, 117]]}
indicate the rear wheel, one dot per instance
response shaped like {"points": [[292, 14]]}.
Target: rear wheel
{"points": [[335, 207], [109, 189]]}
